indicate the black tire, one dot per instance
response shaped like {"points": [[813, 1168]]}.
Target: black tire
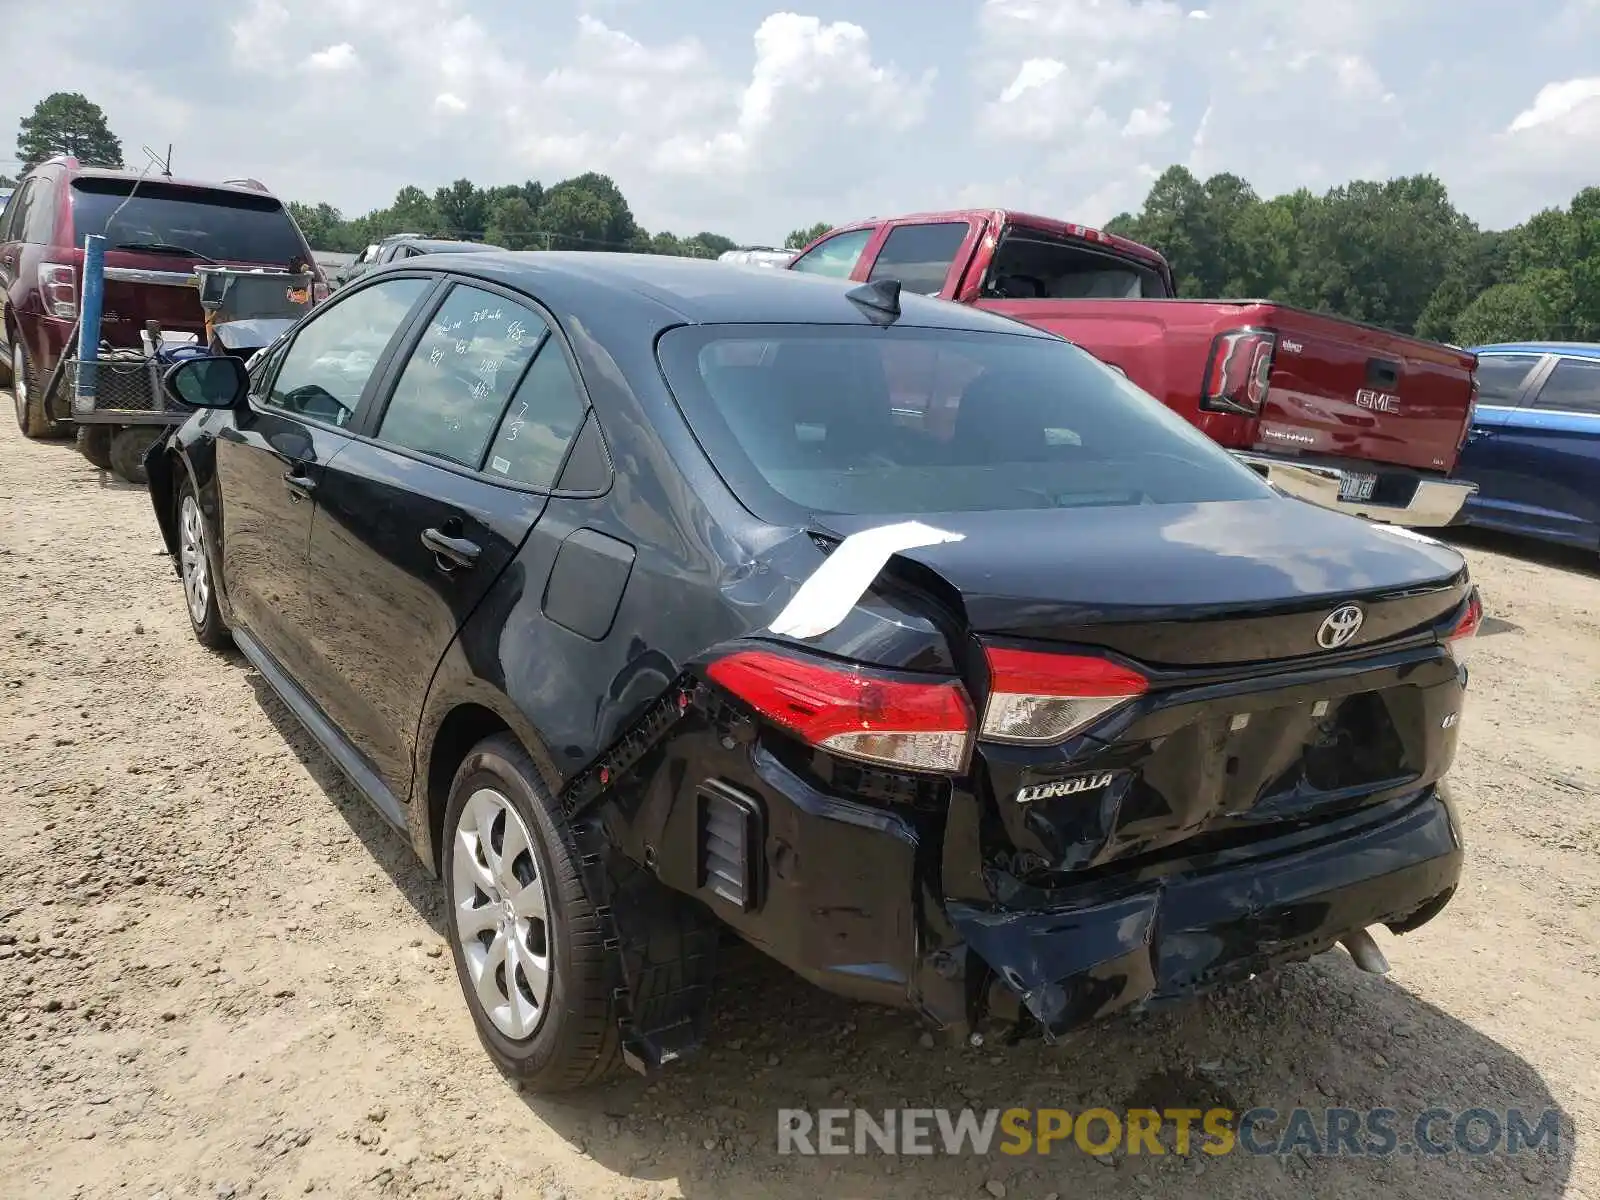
{"points": [[94, 443], [128, 447], [209, 629], [31, 416], [576, 1041]]}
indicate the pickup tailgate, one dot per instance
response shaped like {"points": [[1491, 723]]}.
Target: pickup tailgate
{"points": [[1347, 390]]}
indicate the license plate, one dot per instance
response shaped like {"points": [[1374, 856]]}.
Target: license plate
{"points": [[1357, 487]]}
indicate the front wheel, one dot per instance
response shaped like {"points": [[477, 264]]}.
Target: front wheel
{"points": [[94, 443], [194, 567], [529, 946]]}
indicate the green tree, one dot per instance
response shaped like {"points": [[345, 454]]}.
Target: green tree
{"points": [[512, 225], [67, 123], [799, 239], [1537, 307], [463, 209]]}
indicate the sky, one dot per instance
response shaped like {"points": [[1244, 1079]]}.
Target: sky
{"points": [[747, 119]]}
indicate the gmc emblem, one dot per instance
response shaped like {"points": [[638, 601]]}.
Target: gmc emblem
{"points": [[1382, 402]]}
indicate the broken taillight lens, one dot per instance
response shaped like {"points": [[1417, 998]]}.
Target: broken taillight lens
{"points": [[1239, 372], [1037, 698], [851, 711], [58, 288], [1466, 626]]}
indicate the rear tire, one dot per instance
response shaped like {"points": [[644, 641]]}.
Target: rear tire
{"points": [[94, 443], [527, 940], [31, 416], [128, 447], [194, 568]]}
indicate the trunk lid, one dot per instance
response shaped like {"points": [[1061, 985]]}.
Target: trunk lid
{"points": [[1362, 392], [1248, 721]]}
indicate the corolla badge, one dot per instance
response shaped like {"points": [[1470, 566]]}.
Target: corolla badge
{"points": [[1340, 626], [1063, 787]]}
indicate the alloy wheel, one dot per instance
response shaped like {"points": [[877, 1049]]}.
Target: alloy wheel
{"points": [[500, 910], [192, 558]]}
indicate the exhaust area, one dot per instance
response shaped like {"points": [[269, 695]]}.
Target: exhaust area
{"points": [[1365, 952]]}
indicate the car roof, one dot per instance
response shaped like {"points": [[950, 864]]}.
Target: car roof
{"points": [[705, 292], [215, 185], [1571, 349], [437, 244]]}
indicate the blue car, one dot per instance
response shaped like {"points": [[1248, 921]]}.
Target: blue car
{"points": [[1534, 448]]}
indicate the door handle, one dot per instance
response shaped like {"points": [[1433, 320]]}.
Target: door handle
{"points": [[452, 552], [300, 484], [1474, 435]]}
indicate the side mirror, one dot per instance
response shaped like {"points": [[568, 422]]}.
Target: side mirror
{"points": [[218, 381]]}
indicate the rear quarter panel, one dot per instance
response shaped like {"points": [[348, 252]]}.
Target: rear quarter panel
{"points": [[1162, 345]]}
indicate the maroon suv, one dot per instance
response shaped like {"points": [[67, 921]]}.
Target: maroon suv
{"points": [[157, 230]]}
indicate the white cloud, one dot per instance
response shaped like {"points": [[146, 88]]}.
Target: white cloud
{"points": [[339, 57], [1149, 122], [1557, 104], [1034, 73], [447, 102]]}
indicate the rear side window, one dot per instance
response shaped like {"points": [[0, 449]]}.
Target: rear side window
{"points": [[835, 257], [1574, 386], [543, 418], [459, 379], [901, 421], [185, 221], [1034, 266], [920, 256], [1500, 377]]}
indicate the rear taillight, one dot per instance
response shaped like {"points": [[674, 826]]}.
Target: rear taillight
{"points": [[896, 720], [1239, 372], [1466, 626], [1038, 698], [58, 288], [319, 292]]}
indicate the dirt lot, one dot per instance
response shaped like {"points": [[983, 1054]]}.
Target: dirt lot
{"points": [[220, 974]]}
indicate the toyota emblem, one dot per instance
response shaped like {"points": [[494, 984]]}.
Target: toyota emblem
{"points": [[1339, 627]]}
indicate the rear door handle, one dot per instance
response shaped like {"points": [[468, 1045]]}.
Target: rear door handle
{"points": [[455, 551], [300, 484]]}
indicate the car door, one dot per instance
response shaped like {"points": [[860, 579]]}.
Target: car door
{"points": [[12, 223], [1490, 458], [271, 457], [417, 518], [1552, 445]]}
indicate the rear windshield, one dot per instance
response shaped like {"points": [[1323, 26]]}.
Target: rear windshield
{"points": [[1032, 265], [847, 419], [163, 219]]}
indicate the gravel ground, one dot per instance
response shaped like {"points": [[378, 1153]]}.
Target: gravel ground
{"points": [[221, 975]]}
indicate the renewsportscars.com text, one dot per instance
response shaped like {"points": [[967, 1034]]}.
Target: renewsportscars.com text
{"points": [[1327, 1132]]}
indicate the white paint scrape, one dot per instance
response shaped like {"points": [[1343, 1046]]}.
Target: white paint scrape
{"points": [[826, 598]]}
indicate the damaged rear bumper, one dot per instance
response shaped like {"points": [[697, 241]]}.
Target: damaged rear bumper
{"points": [[1087, 951], [856, 901]]}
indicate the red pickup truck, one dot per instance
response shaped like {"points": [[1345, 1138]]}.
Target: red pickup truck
{"points": [[1347, 415]]}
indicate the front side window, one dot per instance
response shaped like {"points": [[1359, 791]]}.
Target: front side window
{"points": [[327, 366], [845, 419], [1574, 386], [458, 381], [837, 256], [1500, 377], [920, 256]]}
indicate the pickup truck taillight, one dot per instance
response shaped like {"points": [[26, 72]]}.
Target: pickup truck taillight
{"points": [[896, 720], [58, 289], [319, 292], [1472, 412], [1238, 372]]}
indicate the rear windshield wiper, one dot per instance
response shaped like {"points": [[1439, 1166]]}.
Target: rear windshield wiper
{"points": [[163, 248]]}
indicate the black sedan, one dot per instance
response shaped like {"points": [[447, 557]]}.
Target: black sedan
{"points": [[652, 599]]}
